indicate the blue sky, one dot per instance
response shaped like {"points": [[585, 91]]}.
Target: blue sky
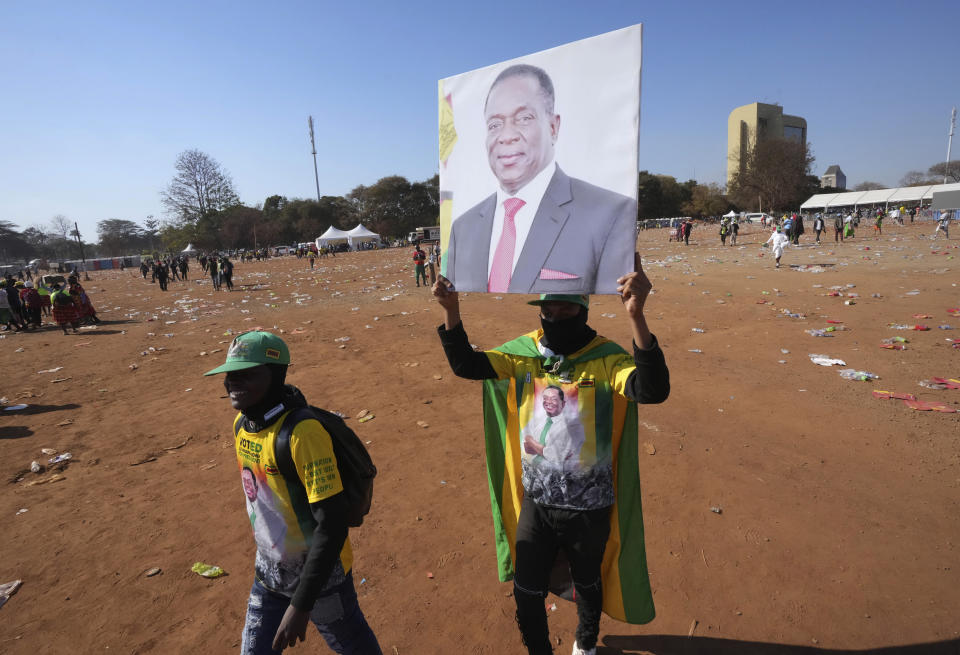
{"points": [[98, 98]]}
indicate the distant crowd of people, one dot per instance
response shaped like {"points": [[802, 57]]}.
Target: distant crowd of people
{"points": [[25, 303]]}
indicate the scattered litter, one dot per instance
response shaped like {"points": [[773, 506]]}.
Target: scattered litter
{"points": [[56, 477], [694, 350], [22, 510], [60, 380], [784, 351], [151, 572], [893, 394], [716, 510], [14, 408], [930, 384], [423, 424], [61, 458], [50, 370], [429, 575], [824, 360], [862, 376], [7, 590], [698, 330], [650, 448], [920, 328], [207, 570], [367, 417], [362, 413], [929, 406], [36, 468], [819, 333]]}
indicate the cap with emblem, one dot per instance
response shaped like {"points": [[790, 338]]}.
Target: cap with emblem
{"points": [[253, 349], [577, 299]]}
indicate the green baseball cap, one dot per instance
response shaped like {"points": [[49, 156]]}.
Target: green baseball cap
{"points": [[253, 349], [577, 299]]}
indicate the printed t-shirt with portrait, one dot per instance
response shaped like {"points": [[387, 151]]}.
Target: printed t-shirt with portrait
{"points": [[280, 516], [576, 470]]}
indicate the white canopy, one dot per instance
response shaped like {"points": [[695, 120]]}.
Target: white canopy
{"points": [[730, 215], [332, 235], [189, 248], [361, 233], [876, 196]]}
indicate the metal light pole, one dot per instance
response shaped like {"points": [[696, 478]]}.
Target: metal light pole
{"points": [[313, 150], [76, 232], [953, 123]]}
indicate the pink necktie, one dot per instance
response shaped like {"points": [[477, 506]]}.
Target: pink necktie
{"points": [[502, 267]]}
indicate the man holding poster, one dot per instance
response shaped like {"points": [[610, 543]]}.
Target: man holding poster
{"points": [[560, 433], [541, 231]]}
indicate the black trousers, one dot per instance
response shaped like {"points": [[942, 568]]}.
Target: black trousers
{"points": [[542, 532]]}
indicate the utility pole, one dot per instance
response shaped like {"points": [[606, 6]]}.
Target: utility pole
{"points": [[76, 232], [313, 150], [953, 124]]}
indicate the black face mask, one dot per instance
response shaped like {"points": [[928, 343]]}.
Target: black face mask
{"points": [[567, 335]]}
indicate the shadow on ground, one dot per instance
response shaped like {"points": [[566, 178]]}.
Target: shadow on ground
{"points": [[15, 432], [679, 645], [40, 409]]}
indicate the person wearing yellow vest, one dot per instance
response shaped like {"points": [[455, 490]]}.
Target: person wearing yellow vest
{"points": [[302, 571]]}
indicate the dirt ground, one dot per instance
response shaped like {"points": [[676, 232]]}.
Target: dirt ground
{"points": [[838, 529]]}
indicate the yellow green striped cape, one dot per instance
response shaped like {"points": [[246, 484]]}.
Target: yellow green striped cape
{"points": [[626, 585]]}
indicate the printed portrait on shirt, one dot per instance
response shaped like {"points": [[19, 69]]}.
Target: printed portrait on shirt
{"points": [[564, 459], [538, 169]]}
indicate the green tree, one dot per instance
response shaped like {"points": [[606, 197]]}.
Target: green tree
{"points": [[948, 169], [776, 175], [706, 200], [869, 186], [14, 248], [119, 237], [199, 186]]}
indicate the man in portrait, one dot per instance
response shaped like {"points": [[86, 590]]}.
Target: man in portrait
{"points": [[554, 441], [541, 230]]}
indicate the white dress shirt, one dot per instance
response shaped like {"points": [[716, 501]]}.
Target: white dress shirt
{"points": [[531, 194]]}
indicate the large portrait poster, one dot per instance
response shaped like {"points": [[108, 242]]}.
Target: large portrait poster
{"points": [[538, 169]]}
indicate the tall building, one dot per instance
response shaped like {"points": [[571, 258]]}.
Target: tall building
{"points": [[757, 121], [834, 177]]}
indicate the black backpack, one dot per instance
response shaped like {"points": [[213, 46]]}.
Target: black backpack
{"points": [[353, 461]]}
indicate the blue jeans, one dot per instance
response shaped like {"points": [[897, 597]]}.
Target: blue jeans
{"points": [[336, 614]]}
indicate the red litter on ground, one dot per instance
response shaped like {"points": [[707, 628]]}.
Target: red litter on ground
{"points": [[429, 575], [949, 383], [920, 328], [929, 406], [834, 322], [893, 394]]}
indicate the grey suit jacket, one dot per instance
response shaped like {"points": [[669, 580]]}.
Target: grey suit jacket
{"points": [[582, 239]]}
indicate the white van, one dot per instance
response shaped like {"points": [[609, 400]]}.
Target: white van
{"points": [[756, 218]]}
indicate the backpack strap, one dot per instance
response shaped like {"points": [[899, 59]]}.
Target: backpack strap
{"points": [[295, 488]]}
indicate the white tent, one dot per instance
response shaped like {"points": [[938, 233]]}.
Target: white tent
{"points": [[730, 215], [360, 233], [876, 197], [189, 249], [332, 235]]}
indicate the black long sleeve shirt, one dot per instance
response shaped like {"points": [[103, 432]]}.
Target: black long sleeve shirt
{"points": [[648, 384]]}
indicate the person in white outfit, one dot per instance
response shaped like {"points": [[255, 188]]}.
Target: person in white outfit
{"points": [[943, 224], [778, 240]]}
